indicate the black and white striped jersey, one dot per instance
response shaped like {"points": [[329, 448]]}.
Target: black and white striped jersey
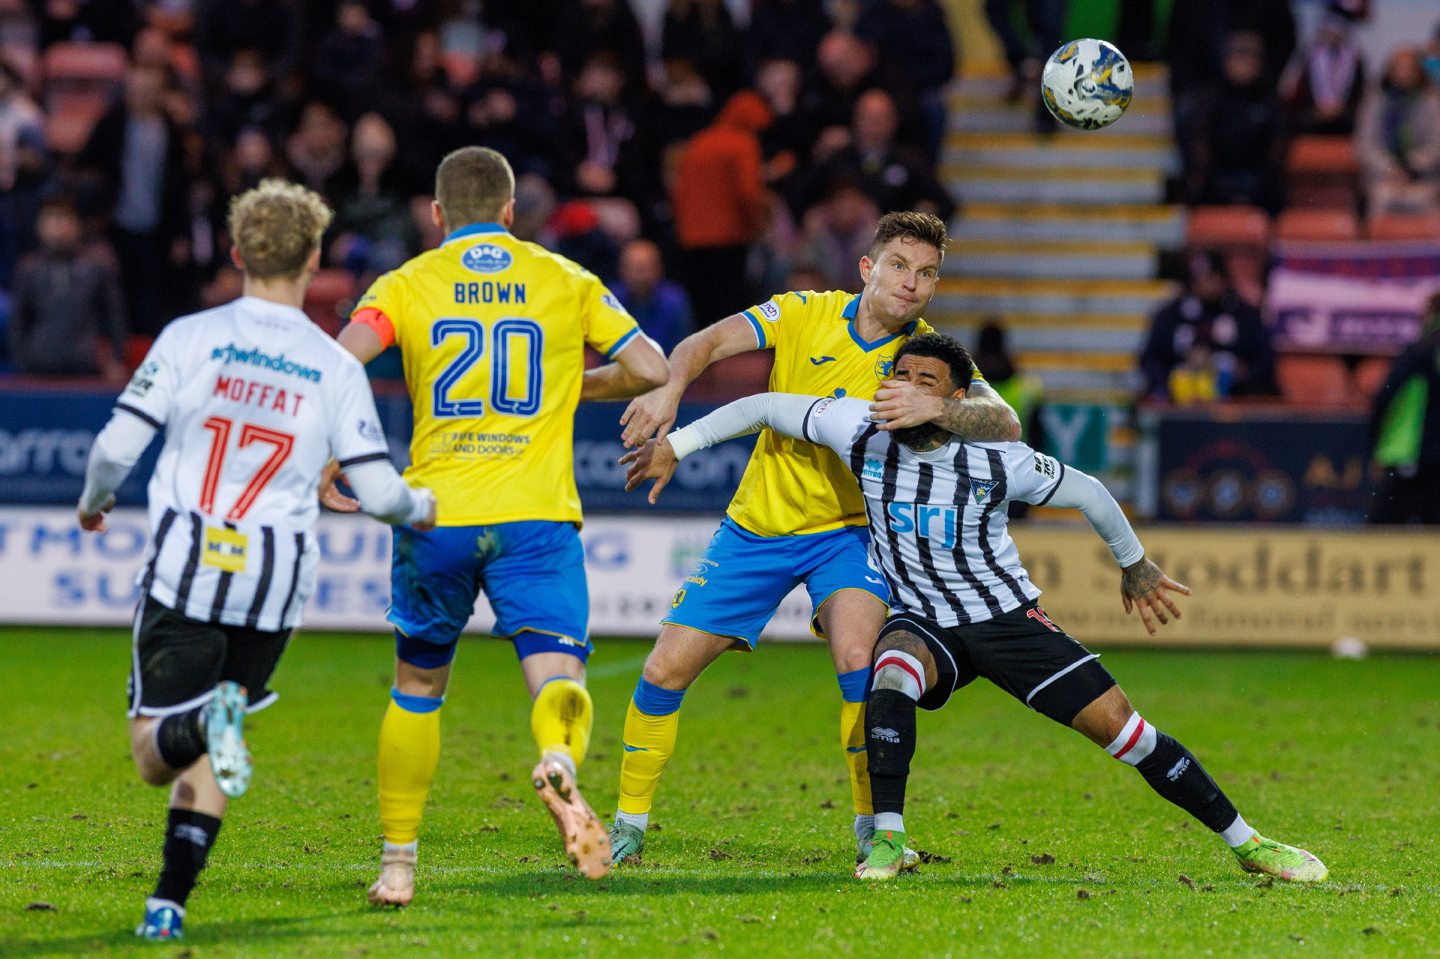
{"points": [[253, 400], [938, 523]]}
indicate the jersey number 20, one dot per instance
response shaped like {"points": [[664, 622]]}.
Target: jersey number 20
{"points": [[507, 334]]}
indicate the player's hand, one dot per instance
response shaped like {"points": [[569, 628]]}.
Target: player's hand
{"points": [[95, 522], [649, 414], [428, 523], [1144, 586], [653, 461], [330, 496], [899, 404]]}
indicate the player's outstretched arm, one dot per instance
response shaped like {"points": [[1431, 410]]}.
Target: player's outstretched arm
{"points": [[653, 413], [117, 448], [981, 416], [656, 459], [388, 498], [1143, 585], [638, 367]]}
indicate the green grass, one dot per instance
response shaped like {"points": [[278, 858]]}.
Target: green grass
{"points": [[751, 850]]}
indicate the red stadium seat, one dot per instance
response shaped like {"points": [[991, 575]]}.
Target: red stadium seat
{"points": [[68, 126], [1319, 381], [1228, 227], [1370, 375], [328, 298], [1300, 224], [1322, 172], [1404, 226]]}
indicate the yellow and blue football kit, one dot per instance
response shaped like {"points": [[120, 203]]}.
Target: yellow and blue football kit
{"points": [[492, 332]]}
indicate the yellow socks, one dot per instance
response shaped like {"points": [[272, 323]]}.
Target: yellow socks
{"points": [[561, 717], [852, 736], [409, 753], [651, 724]]}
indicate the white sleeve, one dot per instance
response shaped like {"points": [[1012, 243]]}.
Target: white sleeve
{"points": [[782, 412], [1034, 476], [117, 448], [355, 433], [1077, 490], [152, 389], [387, 497]]}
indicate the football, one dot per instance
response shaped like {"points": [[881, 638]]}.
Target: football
{"points": [[1087, 84]]}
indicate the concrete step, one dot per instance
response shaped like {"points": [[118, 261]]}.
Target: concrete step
{"points": [[998, 184], [1007, 295], [969, 323], [1094, 361], [996, 78], [986, 116], [1042, 258], [1074, 383], [1063, 151], [1161, 225], [1073, 340]]}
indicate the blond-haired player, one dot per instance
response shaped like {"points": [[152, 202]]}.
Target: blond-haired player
{"points": [[492, 332], [253, 399]]}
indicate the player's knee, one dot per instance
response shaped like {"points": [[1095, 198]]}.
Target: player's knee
{"points": [[1134, 741], [898, 670]]}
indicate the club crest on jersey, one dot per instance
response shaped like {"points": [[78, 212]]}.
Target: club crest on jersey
{"points": [[981, 489], [486, 258], [884, 365]]}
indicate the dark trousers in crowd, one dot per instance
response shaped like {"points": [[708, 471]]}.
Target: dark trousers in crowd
{"points": [[1407, 496], [143, 279], [715, 279]]}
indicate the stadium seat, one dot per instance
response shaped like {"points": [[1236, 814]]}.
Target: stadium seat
{"points": [[69, 66], [328, 298], [1227, 227], [740, 375], [1301, 224], [1319, 381], [1322, 172], [68, 127], [1404, 226], [1370, 374]]}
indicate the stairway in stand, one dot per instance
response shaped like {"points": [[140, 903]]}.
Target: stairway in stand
{"points": [[1059, 237]]}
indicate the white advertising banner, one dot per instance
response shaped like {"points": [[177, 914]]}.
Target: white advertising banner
{"points": [[51, 572]]}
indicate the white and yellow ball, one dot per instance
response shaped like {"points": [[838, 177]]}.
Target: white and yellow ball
{"points": [[1087, 84]]}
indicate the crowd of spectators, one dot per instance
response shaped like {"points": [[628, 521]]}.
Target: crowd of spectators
{"points": [[743, 153]]}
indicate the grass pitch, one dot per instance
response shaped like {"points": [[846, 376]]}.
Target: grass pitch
{"points": [[1039, 844]]}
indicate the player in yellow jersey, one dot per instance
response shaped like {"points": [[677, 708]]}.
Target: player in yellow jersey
{"points": [[492, 332], [797, 516]]}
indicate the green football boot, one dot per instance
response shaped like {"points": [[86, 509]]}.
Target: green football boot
{"points": [[886, 858], [1279, 860], [909, 861], [626, 842]]}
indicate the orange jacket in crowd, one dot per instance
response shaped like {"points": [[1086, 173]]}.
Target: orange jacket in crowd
{"points": [[719, 192]]}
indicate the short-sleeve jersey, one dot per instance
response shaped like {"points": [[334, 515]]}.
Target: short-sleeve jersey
{"points": [[253, 400], [791, 486], [938, 525], [492, 332]]}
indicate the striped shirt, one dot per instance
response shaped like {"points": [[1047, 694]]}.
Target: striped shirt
{"points": [[253, 400], [939, 527]]}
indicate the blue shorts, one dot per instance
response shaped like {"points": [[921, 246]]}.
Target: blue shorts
{"points": [[740, 581], [532, 572]]}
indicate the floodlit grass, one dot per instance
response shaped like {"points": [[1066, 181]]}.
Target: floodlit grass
{"points": [[1043, 846]]}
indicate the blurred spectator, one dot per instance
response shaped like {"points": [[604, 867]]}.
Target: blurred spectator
{"points": [[1023, 391], [720, 206], [659, 305], [1209, 344], [1237, 146], [893, 177], [786, 144], [687, 104], [845, 69], [20, 120], [535, 204], [1405, 431], [587, 27], [316, 150], [578, 235], [1199, 29], [914, 38], [1323, 85], [253, 159], [349, 56], [423, 107], [1397, 139], [135, 157], [1044, 26], [271, 27], [87, 21], [837, 232], [702, 32], [786, 29], [373, 231], [604, 130], [67, 301], [247, 97]]}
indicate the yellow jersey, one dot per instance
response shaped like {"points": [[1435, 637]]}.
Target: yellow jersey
{"points": [[791, 486], [492, 331]]}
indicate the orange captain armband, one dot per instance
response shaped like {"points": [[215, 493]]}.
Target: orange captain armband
{"points": [[377, 321]]}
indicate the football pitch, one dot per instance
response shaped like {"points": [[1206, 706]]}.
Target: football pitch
{"points": [[1037, 843]]}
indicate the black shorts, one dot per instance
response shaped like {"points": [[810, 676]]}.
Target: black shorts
{"points": [[176, 661], [1021, 651]]}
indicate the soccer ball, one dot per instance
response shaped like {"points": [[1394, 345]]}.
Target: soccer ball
{"points": [[1087, 84]]}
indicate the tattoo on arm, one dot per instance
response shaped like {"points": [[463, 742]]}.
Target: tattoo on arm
{"points": [[1140, 578], [981, 416]]}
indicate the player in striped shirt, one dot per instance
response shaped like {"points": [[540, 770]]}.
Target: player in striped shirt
{"points": [[253, 399], [964, 606]]}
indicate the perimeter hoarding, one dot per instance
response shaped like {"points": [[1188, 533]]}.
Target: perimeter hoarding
{"points": [[1253, 587]]}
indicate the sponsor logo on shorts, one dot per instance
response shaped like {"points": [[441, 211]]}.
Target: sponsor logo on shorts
{"points": [[884, 734], [486, 258]]}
